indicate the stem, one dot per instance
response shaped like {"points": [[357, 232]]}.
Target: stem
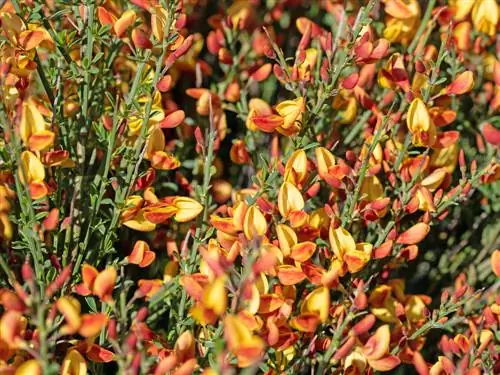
{"points": [[204, 198], [421, 28], [347, 214]]}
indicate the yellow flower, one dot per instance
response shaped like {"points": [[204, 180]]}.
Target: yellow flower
{"points": [[291, 111], [187, 209], [308, 64], [289, 199], [420, 124], [485, 16], [32, 173], [255, 223], [318, 301], [74, 364], [403, 20], [296, 167]]}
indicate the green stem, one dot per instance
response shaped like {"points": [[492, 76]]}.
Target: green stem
{"points": [[421, 28], [347, 213]]}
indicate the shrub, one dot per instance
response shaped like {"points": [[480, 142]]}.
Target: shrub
{"points": [[263, 186]]}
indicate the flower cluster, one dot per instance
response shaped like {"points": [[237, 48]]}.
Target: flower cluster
{"points": [[272, 187]]}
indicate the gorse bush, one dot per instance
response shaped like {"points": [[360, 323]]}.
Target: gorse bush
{"points": [[249, 186]]}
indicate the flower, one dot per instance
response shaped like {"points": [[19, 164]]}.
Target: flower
{"points": [[420, 124]]}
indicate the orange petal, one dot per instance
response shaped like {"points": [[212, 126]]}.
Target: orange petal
{"points": [[92, 324], [173, 119], [51, 220], [378, 344], [224, 224], [307, 322], [262, 73], [385, 364], [364, 325], [127, 19], [99, 354], [159, 214], [149, 257], [38, 190], [89, 274], [420, 364], [462, 84], [345, 349], [30, 39], [163, 161], [105, 17], [150, 287], [446, 139], [105, 283], [270, 303], [495, 262], [289, 275], [165, 83], [491, 134], [137, 254], [41, 140], [303, 251], [267, 123], [141, 39], [414, 235]]}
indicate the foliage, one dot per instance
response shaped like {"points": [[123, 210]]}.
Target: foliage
{"points": [[255, 186]]}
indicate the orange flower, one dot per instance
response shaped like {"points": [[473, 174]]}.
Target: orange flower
{"points": [[155, 152], [211, 301], [247, 347], [98, 283], [353, 256], [403, 20], [141, 255]]}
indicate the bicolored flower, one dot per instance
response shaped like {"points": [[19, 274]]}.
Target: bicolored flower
{"points": [[32, 173], [354, 256], [291, 112], [420, 124], [101, 284], [241, 342]]}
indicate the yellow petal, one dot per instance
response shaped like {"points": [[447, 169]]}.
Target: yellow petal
{"points": [[188, 209], [31, 168], [318, 301], [289, 199], [74, 364], [255, 223], [341, 242]]}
